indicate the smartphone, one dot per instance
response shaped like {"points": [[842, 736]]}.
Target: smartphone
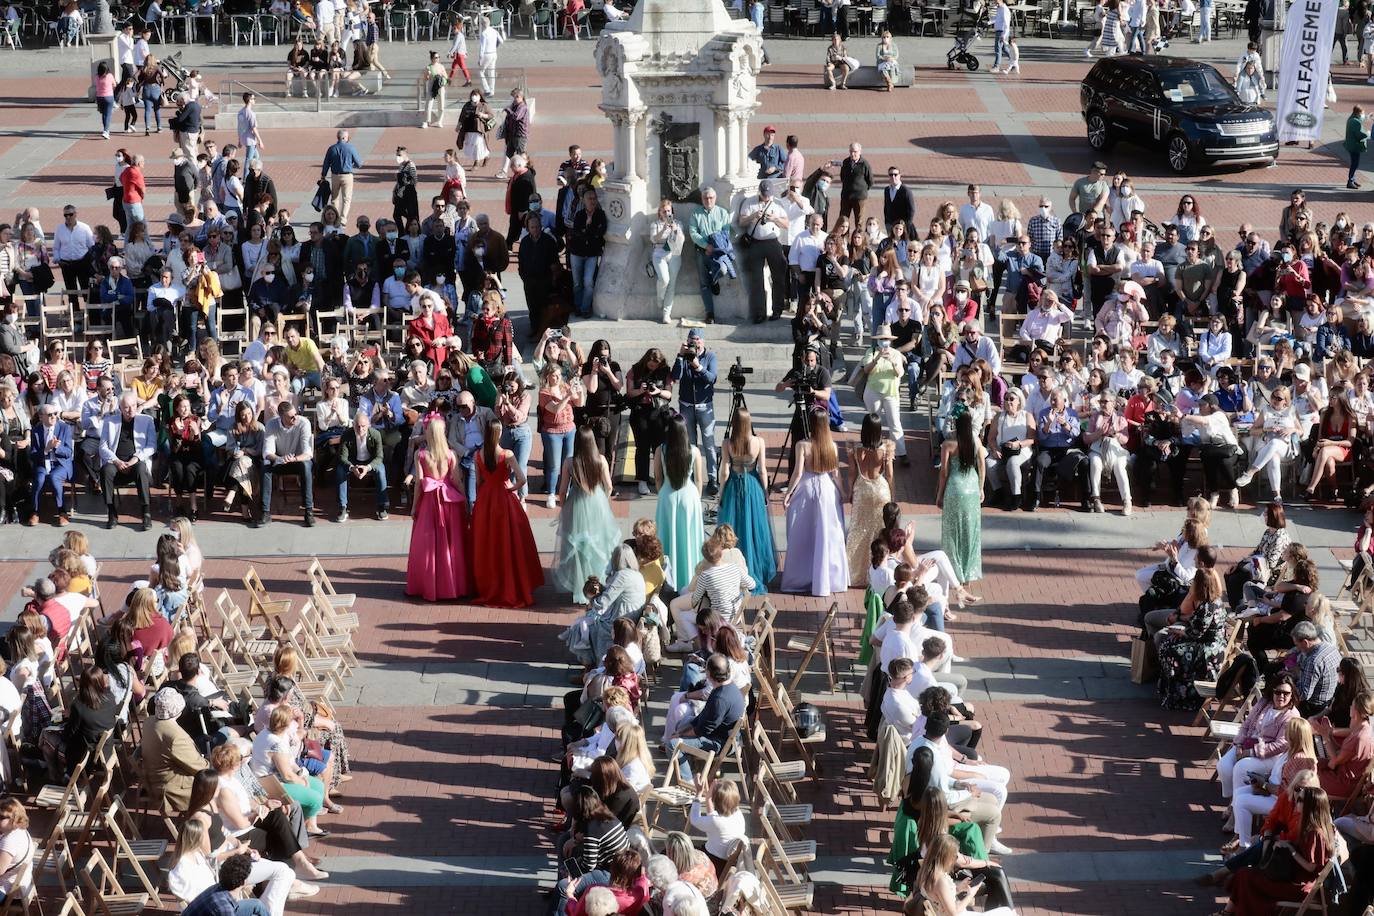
{"points": [[976, 880]]}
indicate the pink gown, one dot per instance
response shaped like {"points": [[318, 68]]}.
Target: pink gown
{"points": [[440, 564]]}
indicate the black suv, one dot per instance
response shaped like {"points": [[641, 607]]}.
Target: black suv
{"points": [[1183, 105]]}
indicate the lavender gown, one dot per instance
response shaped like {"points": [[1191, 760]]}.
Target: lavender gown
{"points": [[816, 560]]}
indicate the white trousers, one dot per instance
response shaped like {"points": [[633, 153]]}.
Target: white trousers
{"points": [[279, 877], [666, 267], [1269, 458], [486, 71], [889, 411], [1233, 772], [991, 779], [1245, 804], [1009, 471], [1111, 456]]}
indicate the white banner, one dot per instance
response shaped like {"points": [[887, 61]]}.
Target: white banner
{"points": [[1304, 67]]}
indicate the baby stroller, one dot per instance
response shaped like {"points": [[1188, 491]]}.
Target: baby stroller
{"points": [[966, 34], [176, 75]]}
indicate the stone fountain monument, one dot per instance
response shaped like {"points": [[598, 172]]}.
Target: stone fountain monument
{"points": [[678, 84]]}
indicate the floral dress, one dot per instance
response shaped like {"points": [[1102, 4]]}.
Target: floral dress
{"points": [[335, 740], [1191, 655]]}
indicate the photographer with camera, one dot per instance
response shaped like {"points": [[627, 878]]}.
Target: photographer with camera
{"points": [[650, 383], [513, 408], [694, 370], [605, 390], [810, 385]]}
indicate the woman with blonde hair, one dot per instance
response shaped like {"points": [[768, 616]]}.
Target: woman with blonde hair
{"points": [[935, 883], [315, 714], [1261, 793], [16, 846], [816, 560], [632, 753], [439, 568]]}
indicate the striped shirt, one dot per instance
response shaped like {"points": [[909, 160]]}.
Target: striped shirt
{"points": [[726, 584], [601, 841]]}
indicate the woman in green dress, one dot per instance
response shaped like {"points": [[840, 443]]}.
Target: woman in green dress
{"points": [[960, 498], [923, 815], [587, 530], [678, 472]]}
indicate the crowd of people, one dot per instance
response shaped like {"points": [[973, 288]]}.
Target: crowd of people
{"points": [[1300, 757], [245, 783]]}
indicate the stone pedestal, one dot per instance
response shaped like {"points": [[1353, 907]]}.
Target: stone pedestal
{"points": [[678, 84]]}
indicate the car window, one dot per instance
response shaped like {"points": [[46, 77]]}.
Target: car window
{"points": [[1144, 85], [1195, 86]]}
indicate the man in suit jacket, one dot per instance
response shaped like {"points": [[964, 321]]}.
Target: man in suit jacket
{"points": [[50, 450], [170, 758], [467, 426], [362, 455], [127, 442], [898, 203]]}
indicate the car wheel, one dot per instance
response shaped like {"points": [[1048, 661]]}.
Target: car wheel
{"points": [[1099, 134], [972, 63], [1180, 154]]}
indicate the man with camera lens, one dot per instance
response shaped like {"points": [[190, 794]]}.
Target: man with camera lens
{"points": [[810, 387], [695, 372]]}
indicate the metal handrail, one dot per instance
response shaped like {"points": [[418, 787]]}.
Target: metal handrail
{"points": [[227, 86]]}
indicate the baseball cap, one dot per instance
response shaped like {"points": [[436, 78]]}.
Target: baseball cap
{"points": [[770, 129], [695, 334], [1303, 371]]}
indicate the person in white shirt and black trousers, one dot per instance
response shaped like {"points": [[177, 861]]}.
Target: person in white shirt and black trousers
{"points": [[761, 222], [127, 442], [362, 455]]}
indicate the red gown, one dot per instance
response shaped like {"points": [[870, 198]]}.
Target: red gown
{"points": [[440, 564], [503, 544]]}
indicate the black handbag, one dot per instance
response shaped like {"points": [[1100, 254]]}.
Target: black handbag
{"points": [[1277, 864]]}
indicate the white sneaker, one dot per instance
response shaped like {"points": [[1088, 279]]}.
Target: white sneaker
{"points": [[551, 502], [1243, 480], [997, 848], [1235, 499], [1088, 52], [643, 488]]}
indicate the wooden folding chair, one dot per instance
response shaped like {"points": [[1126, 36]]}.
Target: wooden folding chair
{"points": [[133, 852], [822, 642], [339, 644], [23, 892], [71, 906], [1208, 689], [1315, 901], [790, 855], [229, 675], [765, 640], [782, 896], [255, 645], [790, 732], [338, 602], [784, 773], [72, 825], [675, 792], [1224, 732], [316, 666], [104, 893], [800, 814], [261, 604], [73, 794]]}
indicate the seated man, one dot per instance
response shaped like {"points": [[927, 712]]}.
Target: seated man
{"points": [[362, 455], [288, 448], [304, 359], [383, 407], [222, 898], [50, 451], [198, 717], [1318, 660], [127, 442], [712, 726], [93, 413], [1042, 328], [268, 297], [900, 707]]}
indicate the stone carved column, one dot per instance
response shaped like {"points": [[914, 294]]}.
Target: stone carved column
{"points": [[638, 137]]}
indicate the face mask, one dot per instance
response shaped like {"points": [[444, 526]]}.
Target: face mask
{"points": [[822, 186], [1126, 190], [535, 206], [307, 277], [12, 318], [399, 272], [479, 250], [475, 99], [1340, 224], [270, 278], [1044, 211], [961, 297], [1286, 256], [439, 280]]}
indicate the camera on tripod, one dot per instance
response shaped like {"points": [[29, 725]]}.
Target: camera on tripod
{"points": [[738, 374]]}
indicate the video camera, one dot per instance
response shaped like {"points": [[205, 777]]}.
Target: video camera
{"points": [[738, 374]]}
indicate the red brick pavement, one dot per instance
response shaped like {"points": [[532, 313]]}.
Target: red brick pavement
{"points": [[472, 780]]}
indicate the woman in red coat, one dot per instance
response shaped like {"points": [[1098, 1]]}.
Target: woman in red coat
{"points": [[433, 330], [1255, 893]]}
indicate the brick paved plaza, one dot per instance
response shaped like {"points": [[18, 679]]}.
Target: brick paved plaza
{"points": [[452, 717]]}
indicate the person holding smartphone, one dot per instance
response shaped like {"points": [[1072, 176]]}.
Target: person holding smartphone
{"points": [[944, 895]]}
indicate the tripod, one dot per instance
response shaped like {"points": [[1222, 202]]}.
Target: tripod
{"points": [[803, 428], [736, 402]]}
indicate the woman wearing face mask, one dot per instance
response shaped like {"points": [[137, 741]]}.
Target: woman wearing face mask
{"points": [[474, 121], [414, 244], [1124, 202], [405, 205], [815, 190]]}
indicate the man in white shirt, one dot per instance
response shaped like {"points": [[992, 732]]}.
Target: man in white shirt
{"points": [[798, 209], [763, 221], [900, 707], [1135, 25], [1044, 325], [975, 346], [396, 295], [324, 19], [962, 795], [124, 50], [804, 252], [488, 40], [71, 241], [288, 448], [976, 213], [1149, 273]]}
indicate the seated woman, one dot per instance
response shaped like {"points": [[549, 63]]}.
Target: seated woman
{"points": [[1192, 642], [938, 889], [268, 825], [1106, 436], [314, 714], [1274, 440], [922, 815], [1334, 724], [92, 715], [721, 581], [837, 64], [693, 866], [598, 837], [716, 813], [1261, 793], [1254, 892], [273, 756], [624, 594], [625, 881], [1335, 440], [1280, 824], [217, 843], [695, 686], [1164, 585], [1262, 735], [1342, 771], [1289, 603]]}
